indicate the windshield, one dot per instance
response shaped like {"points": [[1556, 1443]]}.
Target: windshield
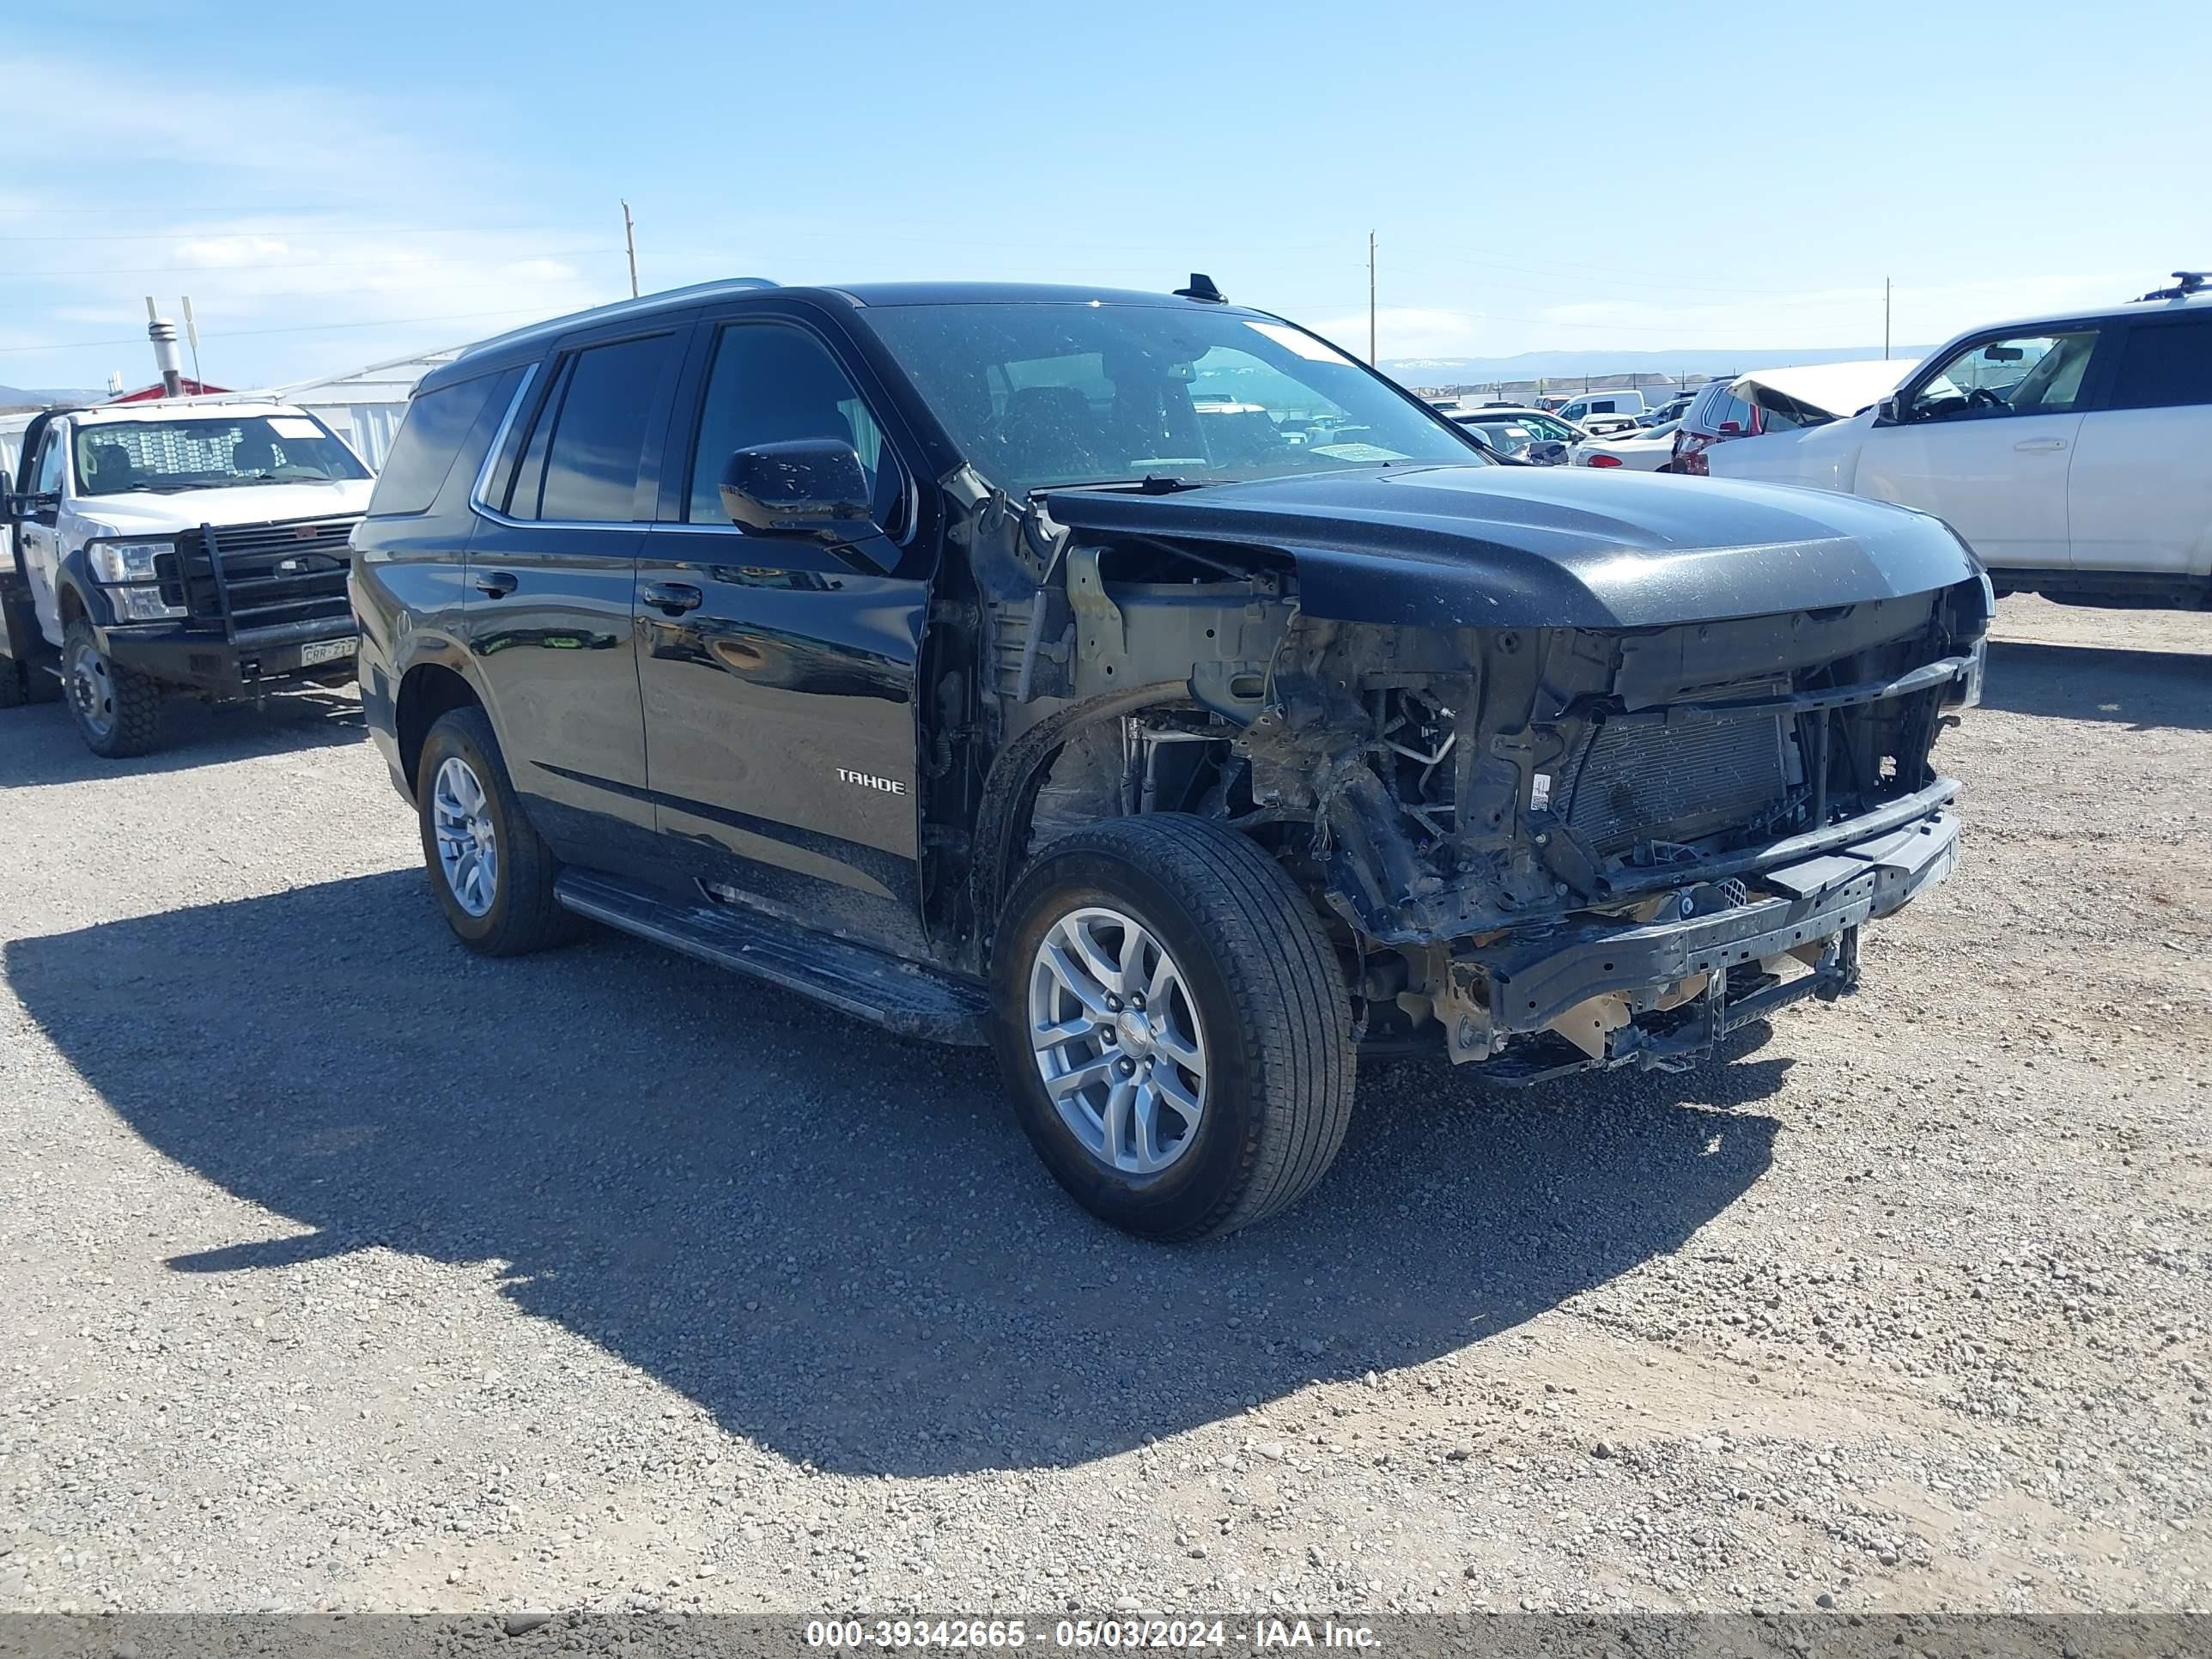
{"points": [[1074, 392], [1506, 437], [113, 457], [1534, 425]]}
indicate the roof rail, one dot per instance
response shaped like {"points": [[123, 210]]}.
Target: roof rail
{"points": [[619, 308], [2185, 282]]}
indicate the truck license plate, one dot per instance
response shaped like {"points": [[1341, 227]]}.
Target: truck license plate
{"points": [[324, 651]]}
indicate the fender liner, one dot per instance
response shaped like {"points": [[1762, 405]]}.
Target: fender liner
{"points": [[1014, 778]]}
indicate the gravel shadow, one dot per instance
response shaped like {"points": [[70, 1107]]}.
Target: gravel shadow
{"points": [[40, 744], [835, 1240], [2144, 689]]}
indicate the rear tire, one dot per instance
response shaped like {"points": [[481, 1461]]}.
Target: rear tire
{"points": [[491, 871], [118, 710], [1250, 1021]]}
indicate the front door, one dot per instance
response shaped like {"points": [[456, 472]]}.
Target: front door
{"points": [[1985, 441], [548, 598], [778, 678], [44, 475]]}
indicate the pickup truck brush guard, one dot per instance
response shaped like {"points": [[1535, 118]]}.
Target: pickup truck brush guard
{"points": [[1142, 686]]}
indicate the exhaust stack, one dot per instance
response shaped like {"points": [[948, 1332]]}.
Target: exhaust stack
{"points": [[163, 333]]}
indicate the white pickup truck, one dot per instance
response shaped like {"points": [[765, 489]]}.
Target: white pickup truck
{"points": [[176, 548], [2073, 452]]}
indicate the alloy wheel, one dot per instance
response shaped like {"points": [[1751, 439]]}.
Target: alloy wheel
{"points": [[1117, 1040], [468, 844]]}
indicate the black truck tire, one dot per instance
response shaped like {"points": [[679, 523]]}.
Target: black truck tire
{"points": [[518, 913], [118, 710], [1253, 990]]}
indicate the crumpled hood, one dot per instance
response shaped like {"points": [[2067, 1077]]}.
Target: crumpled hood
{"points": [[1515, 547], [1816, 457], [135, 511]]}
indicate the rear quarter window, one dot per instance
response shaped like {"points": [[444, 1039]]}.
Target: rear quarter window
{"points": [[2165, 365], [430, 440]]}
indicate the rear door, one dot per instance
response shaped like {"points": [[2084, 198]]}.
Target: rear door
{"points": [[552, 570], [779, 678], [1985, 440], [2140, 495]]}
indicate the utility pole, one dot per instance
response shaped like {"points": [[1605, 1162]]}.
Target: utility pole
{"points": [[629, 242], [1371, 299], [1885, 319]]}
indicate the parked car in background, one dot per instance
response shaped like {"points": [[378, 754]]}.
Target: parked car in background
{"points": [[2072, 452], [1668, 413], [1769, 400], [1604, 411], [1643, 449], [1521, 434]]}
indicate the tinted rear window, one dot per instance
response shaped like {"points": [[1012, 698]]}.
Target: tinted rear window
{"points": [[590, 436], [2165, 365], [429, 438]]}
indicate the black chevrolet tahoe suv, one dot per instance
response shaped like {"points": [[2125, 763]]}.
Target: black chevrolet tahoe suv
{"points": [[1139, 686]]}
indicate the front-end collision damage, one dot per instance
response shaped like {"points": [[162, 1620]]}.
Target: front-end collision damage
{"points": [[1543, 848]]}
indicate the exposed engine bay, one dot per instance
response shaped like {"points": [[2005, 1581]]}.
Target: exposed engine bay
{"points": [[1541, 848]]}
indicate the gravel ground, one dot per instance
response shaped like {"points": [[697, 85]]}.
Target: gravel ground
{"points": [[339, 1269]]}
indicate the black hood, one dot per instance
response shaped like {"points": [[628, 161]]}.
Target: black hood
{"points": [[1528, 547]]}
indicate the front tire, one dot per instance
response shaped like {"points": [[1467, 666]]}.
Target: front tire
{"points": [[1224, 1097], [491, 871], [118, 710]]}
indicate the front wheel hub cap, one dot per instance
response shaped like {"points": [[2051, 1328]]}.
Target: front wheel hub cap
{"points": [[92, 692], [1117, 1040]]}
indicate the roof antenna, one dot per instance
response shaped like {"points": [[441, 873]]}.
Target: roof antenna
{"points": [[1202, 288]]}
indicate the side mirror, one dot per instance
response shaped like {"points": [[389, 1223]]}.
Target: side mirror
{"points": [[15, 507], [1890, 411], [812, 488]]}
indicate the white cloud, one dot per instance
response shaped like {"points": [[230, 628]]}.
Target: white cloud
{"points": [[1408, 332], [218, 252], [279, 293]]}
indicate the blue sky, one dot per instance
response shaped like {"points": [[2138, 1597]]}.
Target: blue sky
{"points": [[337, 185]]}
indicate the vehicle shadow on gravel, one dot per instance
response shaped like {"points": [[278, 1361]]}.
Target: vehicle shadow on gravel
{"points": [[2144, 689], [836, 1242], [40, 744]]}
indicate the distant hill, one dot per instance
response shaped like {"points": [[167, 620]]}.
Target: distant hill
{"points": [[33, 397], [1574, 364]]}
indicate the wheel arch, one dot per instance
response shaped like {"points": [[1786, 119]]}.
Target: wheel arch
{"points": [[427, 690], [1002, 819], [76, 593]]}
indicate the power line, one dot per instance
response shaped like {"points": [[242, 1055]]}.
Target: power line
{"points": [[316, 230], [218, 271], [305, 328]]}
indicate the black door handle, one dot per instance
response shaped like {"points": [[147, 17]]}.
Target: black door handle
{"points": [[674, 598], [494, 584]]}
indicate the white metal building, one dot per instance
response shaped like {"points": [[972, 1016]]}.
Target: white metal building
{"points": [[365, 407]]}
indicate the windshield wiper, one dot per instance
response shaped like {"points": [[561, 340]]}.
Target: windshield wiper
{"points": [[1151, 484]]}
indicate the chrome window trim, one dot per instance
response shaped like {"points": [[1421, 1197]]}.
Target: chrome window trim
{"points": [[476, 502], [485, 509]]}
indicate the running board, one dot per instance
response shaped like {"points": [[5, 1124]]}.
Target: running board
{"points": [[903, 997]]}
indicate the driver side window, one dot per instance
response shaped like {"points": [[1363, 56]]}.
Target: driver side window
{"points": [[51, 454], [771, 382], [2022, 375]]}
